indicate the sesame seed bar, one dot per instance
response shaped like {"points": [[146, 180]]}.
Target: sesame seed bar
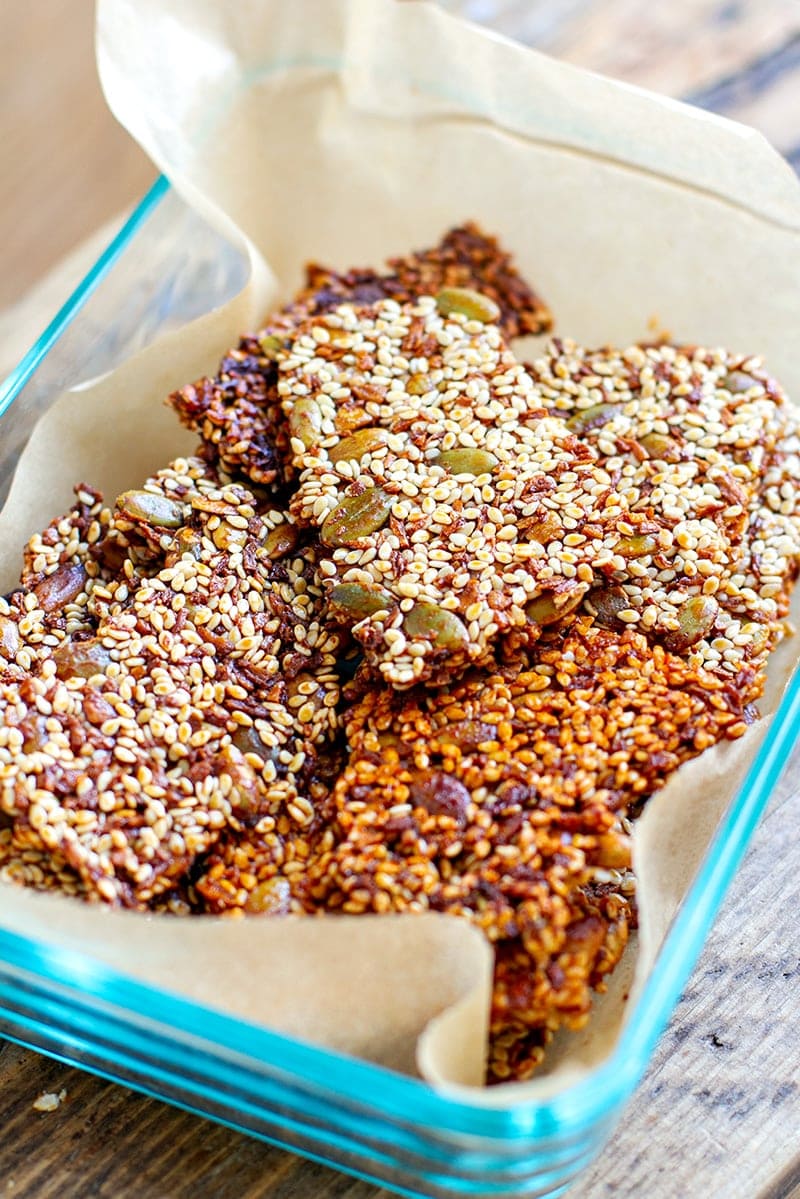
{"points": [[436, 480], [466, 257], [704, 448], [237, 412], [197, 704], [38, 869], [502, 800]]}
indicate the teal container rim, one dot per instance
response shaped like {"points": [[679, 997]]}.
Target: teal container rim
{"points": [[388, 1093]]}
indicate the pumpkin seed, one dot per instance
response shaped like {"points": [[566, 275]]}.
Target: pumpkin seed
{"points": [[247, 741], [472, 304], [305, 421], [738, 381], [186, 541], [61, 587], [586, 419], [270, 898], [553, 606], [606, 603], [356, 516], [466, 462], [442, 628], [225, 537], [696, 617], [660, 446], [81, 659], [637, 546], [354, 447], [281, 540], [9, 637], [271, 346], [152, 508], [358, 602]]}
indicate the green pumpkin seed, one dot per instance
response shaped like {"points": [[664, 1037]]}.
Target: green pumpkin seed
{"points": [[305, 421], [551, 607], [661, 447], [9, 637], [281, 540], [271, 346], [187, 541], [637, 546], [61, 587], [356, 516], [586, 419], [152, 508], [466, 462], [696, 618], [737, 382], [357, 602], [472, 304], [606, 603], [438, 625], [354, 447], [270, 898], [81, 659]]}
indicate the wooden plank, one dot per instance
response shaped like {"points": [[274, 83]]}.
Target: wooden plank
{"points": [[676, 48], [719, 1110]]}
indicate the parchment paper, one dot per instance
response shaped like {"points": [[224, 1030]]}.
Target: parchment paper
{"points": [[347, 130]]}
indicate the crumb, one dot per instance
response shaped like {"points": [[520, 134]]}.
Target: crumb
{"points": [[49, 1101]]}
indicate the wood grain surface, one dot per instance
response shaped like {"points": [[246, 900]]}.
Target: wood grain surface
{"points": [[718, 1114]]}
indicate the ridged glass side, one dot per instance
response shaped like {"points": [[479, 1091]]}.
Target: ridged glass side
{"points": [[164, 267]]}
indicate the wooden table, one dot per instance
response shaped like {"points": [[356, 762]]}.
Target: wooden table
{"points": [[718, 1115]]}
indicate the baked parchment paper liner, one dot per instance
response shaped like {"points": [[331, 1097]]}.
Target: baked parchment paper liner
{"points": [[348, 130]]}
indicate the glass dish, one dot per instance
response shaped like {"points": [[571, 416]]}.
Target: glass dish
{"points": [[163, 268]]}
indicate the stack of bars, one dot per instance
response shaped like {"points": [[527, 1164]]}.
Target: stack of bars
{"points": [[419, 628]]}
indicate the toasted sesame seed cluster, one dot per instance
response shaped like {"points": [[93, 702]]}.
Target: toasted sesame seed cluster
{"points": [[195, 703], [500, 799], [705, 450], [238, 413], [420, 628], [448, 499]]}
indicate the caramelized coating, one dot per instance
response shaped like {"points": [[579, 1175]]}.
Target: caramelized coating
{"points": [[595, 550], [237, 412], [196, 703]]}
